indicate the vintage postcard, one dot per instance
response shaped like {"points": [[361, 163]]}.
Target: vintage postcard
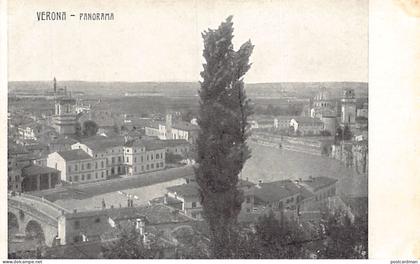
{"points": [[193, 130]]}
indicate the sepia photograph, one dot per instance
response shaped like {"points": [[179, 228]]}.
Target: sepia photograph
{"points": [[188, 129]]}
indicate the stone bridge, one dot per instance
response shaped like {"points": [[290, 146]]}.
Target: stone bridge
{"points": [[33, 218]]}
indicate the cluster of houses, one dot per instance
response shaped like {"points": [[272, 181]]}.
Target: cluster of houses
{"points": [[292, 199], [93, 159], [323, 115]]}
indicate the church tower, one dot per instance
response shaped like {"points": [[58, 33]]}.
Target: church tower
{"points": [[65, 116], [348, 107], [55, 85]]}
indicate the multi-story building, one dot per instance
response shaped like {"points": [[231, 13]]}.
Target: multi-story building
{"points": [[282, 122], [188, 195], [177, 146], [105, 149], [173, 130], [77, 166], [142, 156], [322, 188], [307, 125]]}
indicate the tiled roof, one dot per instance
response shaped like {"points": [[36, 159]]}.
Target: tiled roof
{"points": [[182, 125], [149, 144], [101, 143], [185, 190], [35, 170], [64, 141], [154, 214], [274, 191], [74, 154], [316, 183]]}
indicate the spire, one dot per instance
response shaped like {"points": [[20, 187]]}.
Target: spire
{"points": [[55, 85]]}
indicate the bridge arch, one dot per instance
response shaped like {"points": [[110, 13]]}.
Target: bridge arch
{"points": [[34, 231]]}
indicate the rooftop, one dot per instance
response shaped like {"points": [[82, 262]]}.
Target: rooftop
{"points": [[74, 154], [275, 191], [185, 190], [35, 170], [149, 144], [183, 125], [154, 214], [101, 143], [316, 183]]}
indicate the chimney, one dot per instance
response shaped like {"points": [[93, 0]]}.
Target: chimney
{"points": [[74, 210], [165, 199]]}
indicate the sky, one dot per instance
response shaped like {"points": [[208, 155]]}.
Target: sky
{"points": [[295, 41]]}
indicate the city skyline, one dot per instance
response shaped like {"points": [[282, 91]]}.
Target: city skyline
{"points": [[321, 41]]}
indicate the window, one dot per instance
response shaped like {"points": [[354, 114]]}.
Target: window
{"points": [[96, 165], [119, 159], [157, 156], [161, 155], [147, 167], [88, 176], [135, 160], [88, 166], [248, 199], [96, 175], [69, 168], [135, 168], [102, 174], [142, 167], [152, 166], [112, 160], [157, 165], [193, 204], [69, 178], [141, 158], [83, 177], [83, 166], [102, 164], [76, 224], [97, 220], [147, 157], [127, 159], [76, 178], [248, 210], [151, 156]]}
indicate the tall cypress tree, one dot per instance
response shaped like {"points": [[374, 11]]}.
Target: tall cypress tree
{"points": [[221, 147]]}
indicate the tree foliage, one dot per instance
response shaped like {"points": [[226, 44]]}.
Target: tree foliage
{"points": [[89, 128], [221, 148], [129, 245], [345, 239]]}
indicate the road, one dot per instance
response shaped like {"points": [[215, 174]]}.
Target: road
{"points": [[83, 191]]}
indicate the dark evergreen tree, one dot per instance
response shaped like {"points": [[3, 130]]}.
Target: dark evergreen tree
{"points": [[221, 148], [90, 128]]}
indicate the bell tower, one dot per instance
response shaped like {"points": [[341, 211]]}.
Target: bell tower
{"points": [[348, 107]]}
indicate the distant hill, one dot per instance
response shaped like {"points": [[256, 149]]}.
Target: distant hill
{"points": [[188, 89]]}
